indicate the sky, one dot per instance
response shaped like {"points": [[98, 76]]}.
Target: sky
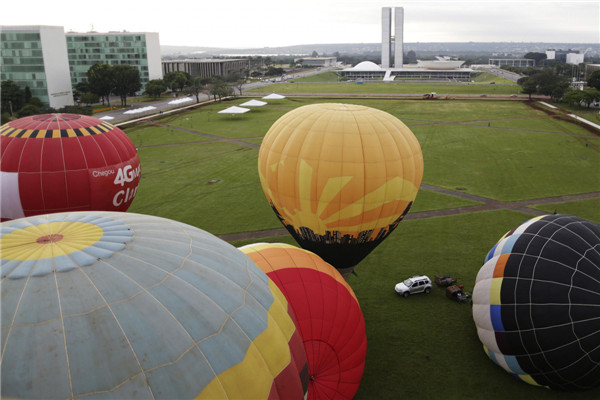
{"points": [[272, 23]]}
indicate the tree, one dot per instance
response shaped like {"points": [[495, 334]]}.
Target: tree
{"points": [[89, 98], [218, 88], [155, 88], [127, 81], [12, 97], [28, 109], [27, 94], [538, 57], [411, 57], [176, 80], [101, 81], [314, 54], [35, 101], [237, 80], [594, 80], [573, 97], [528, 86], [590, 96], [195, 87], [275, 71], [545, 82]]}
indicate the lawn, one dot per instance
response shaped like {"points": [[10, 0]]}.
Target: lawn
{"points": [[591, 114], [389, 88], [486, 77], [328, 76], [425, 346], [588, 209]]}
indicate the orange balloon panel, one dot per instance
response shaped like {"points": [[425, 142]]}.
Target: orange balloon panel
{"points": [[340, 174]]}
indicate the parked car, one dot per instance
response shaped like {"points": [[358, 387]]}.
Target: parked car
{"points": [[415, 284]]}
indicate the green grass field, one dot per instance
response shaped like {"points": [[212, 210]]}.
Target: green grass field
{"points": [[390, 88], [425, 346], [486, 77]]}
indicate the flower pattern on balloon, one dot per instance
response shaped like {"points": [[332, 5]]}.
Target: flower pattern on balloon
{"points": [[51, 243]]}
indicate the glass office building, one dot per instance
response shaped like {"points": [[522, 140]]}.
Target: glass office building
{"points": [[140, 50], [36, 57]]}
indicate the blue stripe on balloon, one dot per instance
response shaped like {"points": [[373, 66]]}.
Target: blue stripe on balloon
{"points": [[496, 317], [507, 246], [491, 253], [514, 366], [492, 356]]}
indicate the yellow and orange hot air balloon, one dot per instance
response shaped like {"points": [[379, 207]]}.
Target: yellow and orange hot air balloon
{"points": [[340, 177]]}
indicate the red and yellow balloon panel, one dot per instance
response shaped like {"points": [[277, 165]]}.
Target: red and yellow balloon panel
{"points": [[328, 316], [65, 162]]}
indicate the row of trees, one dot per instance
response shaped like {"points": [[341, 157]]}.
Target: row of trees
{"points": [[105, 80], [548, 82], [17, 102], [182, 82], [588, 96]]}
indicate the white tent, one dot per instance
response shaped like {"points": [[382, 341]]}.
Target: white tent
{"points": [[273, 96], [254, 103], [234, 110]]}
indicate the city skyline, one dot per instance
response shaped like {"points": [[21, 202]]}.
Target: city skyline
{"points": [[271, 23]]}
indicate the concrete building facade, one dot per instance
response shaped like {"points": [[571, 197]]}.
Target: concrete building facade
{"points": [[317, 61], [513, 62], [207, 68], [36, 57], [398, 37], [138, 49], [392, 44], [574, 58], [591, 68], [386, 37]]}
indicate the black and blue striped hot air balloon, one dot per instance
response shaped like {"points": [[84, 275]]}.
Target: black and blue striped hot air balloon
{"points": [[536, 302]]}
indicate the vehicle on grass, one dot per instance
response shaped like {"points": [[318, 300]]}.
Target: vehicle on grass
{"points": [[413, 285], [444, 280], [458, 294]]}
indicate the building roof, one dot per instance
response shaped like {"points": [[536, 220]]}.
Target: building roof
{"points": [[365, 66]]}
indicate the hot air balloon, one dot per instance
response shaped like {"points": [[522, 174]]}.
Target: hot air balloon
{"points": [[328, 316], [123, 305], [536, 302], [340, 177], [65, 162]]}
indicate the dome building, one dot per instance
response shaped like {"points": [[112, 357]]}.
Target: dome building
{"points": [[444, 68]]}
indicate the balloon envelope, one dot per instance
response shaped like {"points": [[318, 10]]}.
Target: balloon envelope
{"points": [[125, 305], [340, 177], [328, 316], [65, 162], [536, 302]]}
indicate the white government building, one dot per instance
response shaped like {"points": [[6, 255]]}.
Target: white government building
{"points": [[443, 68]]}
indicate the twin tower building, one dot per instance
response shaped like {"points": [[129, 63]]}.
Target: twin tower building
{"points": [[392, 46]]}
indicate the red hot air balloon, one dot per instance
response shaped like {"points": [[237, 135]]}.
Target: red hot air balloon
{"points": [[65, 162], [328, 316]]}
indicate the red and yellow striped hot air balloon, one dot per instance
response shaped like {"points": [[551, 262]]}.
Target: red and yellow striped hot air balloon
{"points": [[328, 316], [65, 162], [340, 177]]}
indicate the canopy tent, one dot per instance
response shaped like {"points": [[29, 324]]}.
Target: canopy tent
{"points": [[274, 96], [254, 103], [234, 110]]}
